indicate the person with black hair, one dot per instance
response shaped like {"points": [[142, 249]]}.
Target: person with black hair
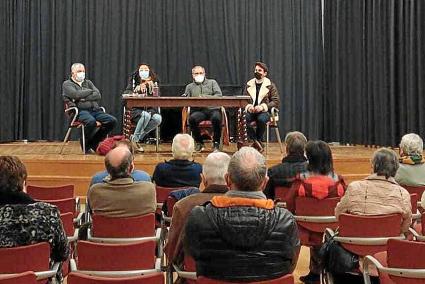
{"points": [[144, 82]]}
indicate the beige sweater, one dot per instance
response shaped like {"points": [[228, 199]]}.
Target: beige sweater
{"points": [[376, 195]]}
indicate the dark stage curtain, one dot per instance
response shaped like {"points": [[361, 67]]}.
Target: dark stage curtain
{"points": [[374, 70], [40, 39]]}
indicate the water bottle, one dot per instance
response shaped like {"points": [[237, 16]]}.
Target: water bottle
{"points": [[155, 91]]}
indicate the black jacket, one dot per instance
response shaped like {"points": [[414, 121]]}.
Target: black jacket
{"points": [[84, 97], [242, 242]]}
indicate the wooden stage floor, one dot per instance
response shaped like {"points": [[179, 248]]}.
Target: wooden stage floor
{"points": [[46, 166]]}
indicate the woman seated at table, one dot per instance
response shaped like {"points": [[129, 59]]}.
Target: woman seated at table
{"points": [[143, 82]]}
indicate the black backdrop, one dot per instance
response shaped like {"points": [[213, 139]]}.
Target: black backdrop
{"points": [[362, 82]]}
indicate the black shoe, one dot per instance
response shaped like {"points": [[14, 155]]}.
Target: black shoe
{"points": [[199, 147], [310, 278], [216, 147]]}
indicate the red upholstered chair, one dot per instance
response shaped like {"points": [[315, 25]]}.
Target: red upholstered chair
{"points": [[403, 263], [50, 192], [78, 278], [206, 125], [419, 190], [419, 229], [188, 273], [313, 217], [286, 279], [116, 260], [286, 195], [20, 278], [68, 205], [34, 258]]}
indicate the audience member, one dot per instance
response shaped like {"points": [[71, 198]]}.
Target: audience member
{"points": [[242, 236], [264, 97], [143, 82], [181, 171], [292, 164], [137, 175], [213, 179], [120, 195], [24, 221], [203, 87], [379, 193], [319, 181], [82, 93]]}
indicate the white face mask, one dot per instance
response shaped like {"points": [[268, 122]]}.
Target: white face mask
{"points": [[80, 76], [199, 78], [144, 74]]}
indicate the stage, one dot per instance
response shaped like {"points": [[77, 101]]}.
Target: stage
{"points": [[46, 166]]}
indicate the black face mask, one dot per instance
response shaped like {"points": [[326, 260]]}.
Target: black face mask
{"points": [[257, 75]]}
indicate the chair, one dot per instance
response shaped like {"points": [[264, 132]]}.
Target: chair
{"points": [[68, 226], [188, 272], [20, 278], [34, 258], [419, 231], [313, 216], [79, 278], [207, 125], [419, 190], [129, 127], [72, 113], [414, 198], [68, 205], [116, 260], [50, 192], [286, 279], [273, 123], [403, 263], [286, 195]]}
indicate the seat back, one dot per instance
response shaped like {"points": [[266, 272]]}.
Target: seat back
{"points": [[423, 224], [34, 257], [287, 195], [162, 192], [419, 190], [414, 201], [171, 201], [378, 226], [79, 278], [286, 279], [123, 227], [306, 206], [68, 223], [116, 257], [51, 192], [406, 254], [66, 205], [20, 278]]}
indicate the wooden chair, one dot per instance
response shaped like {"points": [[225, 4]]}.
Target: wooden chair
{"points": [[34, 258], [20, 278], [50, 192], [405, 263], [79, 278], [286, 279], [206, 125], [116, 260]]}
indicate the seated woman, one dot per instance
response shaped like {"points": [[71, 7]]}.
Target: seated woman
{"points": [[319, 181], [143, 82], [24, 221]]}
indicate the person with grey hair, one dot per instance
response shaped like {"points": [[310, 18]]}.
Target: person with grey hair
{"points": [[203, 87], [412, 162], [82, 93], [293, 163], [213, 174], [181, 171], [241, 235], [120, 195], [379, 193]]}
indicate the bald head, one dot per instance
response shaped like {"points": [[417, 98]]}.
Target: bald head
{"points": [[119, 162], [247, 170]]}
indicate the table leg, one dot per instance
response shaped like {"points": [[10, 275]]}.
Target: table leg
{"points": [[242, 139]]}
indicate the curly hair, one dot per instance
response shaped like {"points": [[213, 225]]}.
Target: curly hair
{"points": [[13, 174]]}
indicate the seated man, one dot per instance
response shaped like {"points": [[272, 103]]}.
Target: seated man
{"points": [[137, 175], [82, 93], [379, 193], [181, 171], [203, 87], [264, 97], [292, 164], [242, 236], [213, 171], [121, 196]]}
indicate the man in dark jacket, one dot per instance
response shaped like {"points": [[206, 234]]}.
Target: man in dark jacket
{"points": [[83, 94], [242, 236]]}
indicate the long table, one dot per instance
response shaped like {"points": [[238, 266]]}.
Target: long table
{"points": [[238, 102]]}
